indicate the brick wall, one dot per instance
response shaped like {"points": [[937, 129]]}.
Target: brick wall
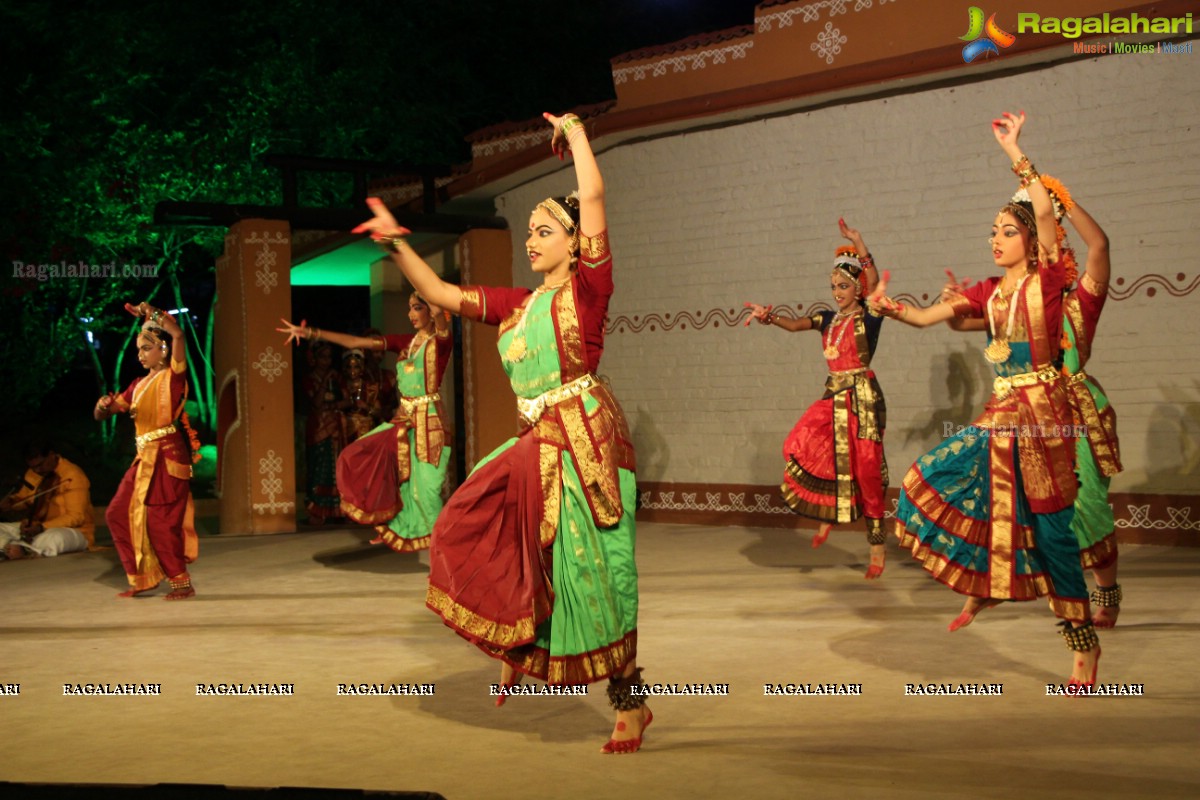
{"points": [[705, 220]]}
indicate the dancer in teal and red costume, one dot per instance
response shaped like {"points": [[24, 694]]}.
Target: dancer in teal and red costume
{"points": [[988, 512], [835, 470], [392, 477], [533, 557], [1097, 449]]}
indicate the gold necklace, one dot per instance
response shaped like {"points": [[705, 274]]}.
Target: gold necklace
{"points": [[517, 346], [998, 350], [414, 347], [832, 349]]}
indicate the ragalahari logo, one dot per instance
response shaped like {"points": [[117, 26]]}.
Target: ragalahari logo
{"points": [[983, 39]]}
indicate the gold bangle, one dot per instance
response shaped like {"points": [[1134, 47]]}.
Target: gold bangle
{"points": [[568, 123], [392, 243]]}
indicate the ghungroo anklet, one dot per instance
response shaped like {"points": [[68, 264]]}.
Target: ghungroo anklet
{"points": [[1081, 639], [1107, 596], [624, 693]]}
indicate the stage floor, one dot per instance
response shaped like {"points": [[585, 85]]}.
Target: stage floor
{"points": [[743, 607]]}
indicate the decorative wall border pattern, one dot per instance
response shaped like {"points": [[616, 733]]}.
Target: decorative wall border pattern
{"points": [[516, 143], [1117, 290], [811, 12], [682, 63], [1158, 519], [656, 322]]}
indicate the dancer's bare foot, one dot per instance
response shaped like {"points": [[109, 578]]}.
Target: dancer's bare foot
{"points": [[376, 540], [878, 556], [628, 731], [1107, 601], [509, 678], [1084, 667], [822, 535], [1085, 656], [970, 608]]}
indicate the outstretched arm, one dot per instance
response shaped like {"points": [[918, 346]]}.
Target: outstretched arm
{"points": [[879, 303], [384, 228], [571, 135], [1007, 130], [952, 291], [1098, 267], [765, 316], [302, 332]]}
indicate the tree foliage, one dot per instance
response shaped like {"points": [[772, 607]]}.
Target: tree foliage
{"points": [[111, 108]]}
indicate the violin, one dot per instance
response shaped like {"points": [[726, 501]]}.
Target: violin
{"points": [[38, 509]]}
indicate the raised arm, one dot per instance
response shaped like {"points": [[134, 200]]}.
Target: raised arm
{"points": [[303, 332], [864, 255], [161, 319], [441, 321], [1098, 267], [384, 229], [1007, 130], [570, 135]]}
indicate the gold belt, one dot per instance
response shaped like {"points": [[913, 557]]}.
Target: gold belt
{"points": [[411, 404], [844, 379], [1078, 377], [154, 435], [531, 410], [1003, 386]]}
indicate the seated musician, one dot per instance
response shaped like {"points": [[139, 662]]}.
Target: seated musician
{"points": [[50, 508]]}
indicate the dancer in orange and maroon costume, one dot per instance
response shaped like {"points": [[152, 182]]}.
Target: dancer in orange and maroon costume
{"points": [[150, 516]]}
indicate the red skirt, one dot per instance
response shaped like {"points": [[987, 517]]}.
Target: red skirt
{"points": [[368, 477], [823, 447], [489, 578]]}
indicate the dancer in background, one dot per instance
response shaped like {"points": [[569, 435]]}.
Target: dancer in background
{"points": [[533, 557], [1097, 449], [835, 468], [988, 512], [392, 477], [324, 433], [150, 516]]}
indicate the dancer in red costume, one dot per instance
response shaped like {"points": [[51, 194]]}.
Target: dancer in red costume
{"points": [[988, 512], [835, 468], [1097, 451]]}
